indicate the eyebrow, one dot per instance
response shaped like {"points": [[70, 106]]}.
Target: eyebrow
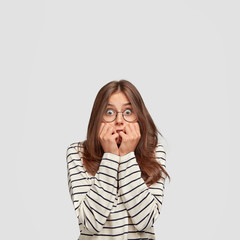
{"points": [[109, 104]]}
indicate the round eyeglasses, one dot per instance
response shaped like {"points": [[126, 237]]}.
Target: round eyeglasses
{"points": [[110, 115]]}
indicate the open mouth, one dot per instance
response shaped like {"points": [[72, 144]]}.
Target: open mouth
{"points": [[119, 139], [118, 131]]}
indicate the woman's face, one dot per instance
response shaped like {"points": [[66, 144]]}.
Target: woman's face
{"points": [[118, 101]]}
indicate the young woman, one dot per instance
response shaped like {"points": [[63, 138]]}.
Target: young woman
{"points": [[116, 176]]}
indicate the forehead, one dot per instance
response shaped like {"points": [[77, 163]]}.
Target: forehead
{"points": [[118, 99]]}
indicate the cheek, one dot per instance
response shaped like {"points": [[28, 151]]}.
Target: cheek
{"points": [[126, 125], [112, 125]]}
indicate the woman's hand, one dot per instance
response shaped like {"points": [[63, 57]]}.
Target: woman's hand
{"points": [[130, 139], [107, 137]]}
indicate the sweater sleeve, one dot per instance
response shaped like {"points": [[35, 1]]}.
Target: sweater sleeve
{"points": [[92, 201], [143, 203]]}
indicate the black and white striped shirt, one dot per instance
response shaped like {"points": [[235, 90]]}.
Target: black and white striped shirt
{"points": [[115, 203]]}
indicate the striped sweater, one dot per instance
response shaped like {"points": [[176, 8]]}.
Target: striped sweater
{"points": [[115, 203]]}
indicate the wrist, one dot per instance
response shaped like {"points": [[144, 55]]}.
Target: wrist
{"points": [[112, 156], [113, 152], [125, 153]]}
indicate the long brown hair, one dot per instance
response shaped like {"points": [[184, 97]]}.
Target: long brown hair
{"points": [[145, 150]]}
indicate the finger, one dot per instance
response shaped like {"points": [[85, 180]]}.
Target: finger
{"points": [[114, 136], [104, 130], [114, 133], [135, 134], [137, 127], [128, 130], [101, 128], [123, 133], [110, 130], [133, 129]]}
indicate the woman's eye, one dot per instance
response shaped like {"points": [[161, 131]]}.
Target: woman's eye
{"points": [[110, 112], [128, 111]]}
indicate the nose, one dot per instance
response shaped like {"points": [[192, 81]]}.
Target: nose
{"points": [[119, 118]]}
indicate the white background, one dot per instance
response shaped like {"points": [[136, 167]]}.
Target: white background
{"points": [[183, 56]]}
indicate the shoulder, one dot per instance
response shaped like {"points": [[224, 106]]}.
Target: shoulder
{"points": [[160, 153], [160, 149], [74, 150]]}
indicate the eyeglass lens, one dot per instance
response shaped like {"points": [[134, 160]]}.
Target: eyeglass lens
{"points": [[110, 115]]}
